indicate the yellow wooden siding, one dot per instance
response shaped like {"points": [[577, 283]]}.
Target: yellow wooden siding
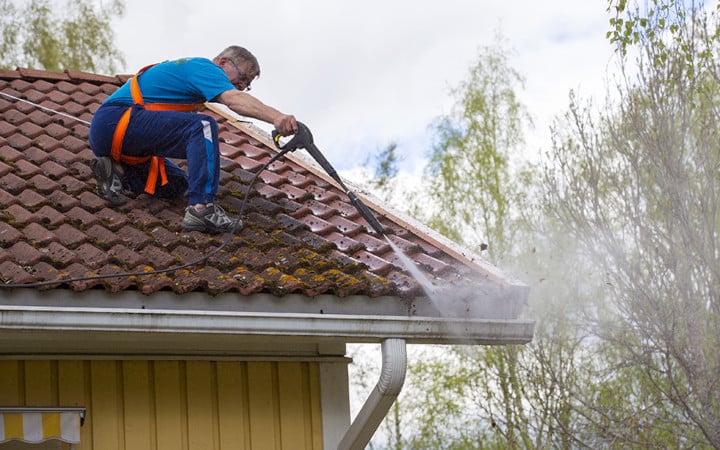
{"points": [[170, 423], [176, 405]]}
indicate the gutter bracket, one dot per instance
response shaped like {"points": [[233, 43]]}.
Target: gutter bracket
{"points": [[378, 403]]}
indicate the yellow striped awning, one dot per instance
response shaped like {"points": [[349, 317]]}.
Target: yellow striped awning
{"points": [[35, 425]]}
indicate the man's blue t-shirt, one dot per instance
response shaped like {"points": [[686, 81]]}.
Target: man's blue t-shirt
{"points": [[187, 80]]}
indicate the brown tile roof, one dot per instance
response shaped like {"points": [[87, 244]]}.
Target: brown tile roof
{"points": [[300, 233]]}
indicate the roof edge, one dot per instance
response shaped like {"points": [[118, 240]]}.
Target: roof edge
{"points": [[166, 324], [498, 304]]}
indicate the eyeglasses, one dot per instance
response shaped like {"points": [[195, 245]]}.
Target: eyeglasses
{"points": [[244, 79]]}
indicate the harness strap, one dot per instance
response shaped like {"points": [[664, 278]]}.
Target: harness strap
{"points": [[157, 163]]}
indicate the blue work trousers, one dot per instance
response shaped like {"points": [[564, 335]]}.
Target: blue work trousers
{"points": [[170, 134]]}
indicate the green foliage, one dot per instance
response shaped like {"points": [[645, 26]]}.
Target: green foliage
{"points": [[620, 250], [386, 169], [660, 27], [75, 35], [469, 172], [636, 184], [462, 398], [9, 28]]}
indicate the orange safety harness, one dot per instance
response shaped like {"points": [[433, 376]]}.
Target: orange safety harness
{"points": [[157, 163]]}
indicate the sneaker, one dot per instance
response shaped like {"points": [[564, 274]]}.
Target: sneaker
{"points": [[212, 219], [109, 183]]}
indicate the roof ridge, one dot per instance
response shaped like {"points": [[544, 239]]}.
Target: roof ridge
{"points": [[66, 75]]}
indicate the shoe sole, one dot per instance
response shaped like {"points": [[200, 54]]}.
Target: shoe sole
{"points": [[99, 171], [206, 228]]}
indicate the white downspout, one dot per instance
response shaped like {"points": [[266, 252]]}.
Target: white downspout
{"points": [[377, 405]]}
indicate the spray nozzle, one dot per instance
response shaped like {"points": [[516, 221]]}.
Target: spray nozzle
{"points": [[304, 139]]}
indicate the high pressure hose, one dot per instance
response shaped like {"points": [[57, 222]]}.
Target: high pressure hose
{"points": [[302, 139], [194, 262]]}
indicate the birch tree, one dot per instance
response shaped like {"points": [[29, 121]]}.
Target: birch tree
{"points": [[636, 185], [469, 172], [76, 34]]}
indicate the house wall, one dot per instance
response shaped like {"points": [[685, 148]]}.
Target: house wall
{"points": [[176, 405]]}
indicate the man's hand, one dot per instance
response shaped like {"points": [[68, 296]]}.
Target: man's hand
{"points": [[286, 124]]}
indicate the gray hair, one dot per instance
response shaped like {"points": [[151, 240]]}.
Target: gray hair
{"points": [[240, 54]]}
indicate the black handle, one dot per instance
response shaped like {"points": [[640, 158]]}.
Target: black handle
{"points": [[304, 139]]}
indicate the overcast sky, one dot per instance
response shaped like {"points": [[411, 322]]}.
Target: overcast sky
{"points": [[363, 74]]}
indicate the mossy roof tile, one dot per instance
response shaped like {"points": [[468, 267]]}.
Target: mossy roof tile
{"points": [[300, 233]]}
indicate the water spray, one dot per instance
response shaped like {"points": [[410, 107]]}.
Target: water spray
{"points": [[304, 139]]}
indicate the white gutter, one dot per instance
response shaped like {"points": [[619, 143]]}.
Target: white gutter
{"points": [[164, 324], [63, 330], [387, 389]]}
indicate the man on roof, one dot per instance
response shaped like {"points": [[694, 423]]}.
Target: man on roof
{"points": [[151, 118]]}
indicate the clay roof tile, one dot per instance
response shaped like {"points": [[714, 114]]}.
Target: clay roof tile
{"points": [[300, 233]]}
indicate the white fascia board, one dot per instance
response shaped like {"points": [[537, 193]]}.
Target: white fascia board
{"points": [[486, 301], [334, 327]]}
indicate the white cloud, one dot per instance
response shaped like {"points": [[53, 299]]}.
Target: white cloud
{"points": [[362, 74]]}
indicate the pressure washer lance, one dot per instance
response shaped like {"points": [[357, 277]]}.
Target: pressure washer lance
{"points": [[304, 139]]}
